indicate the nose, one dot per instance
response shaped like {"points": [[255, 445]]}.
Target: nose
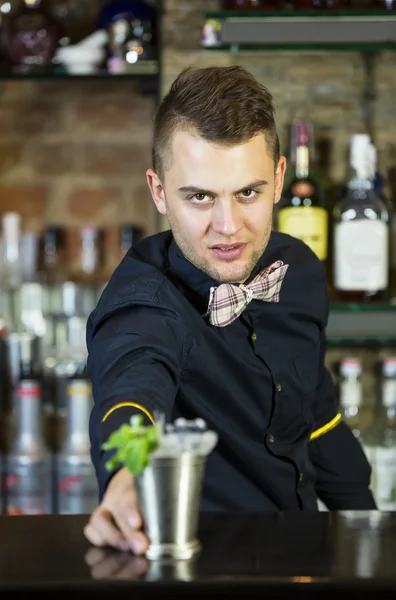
{"points": [[226, 217]]}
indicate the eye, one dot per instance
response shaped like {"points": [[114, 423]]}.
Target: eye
{"points": [[248, 193], [200, 197]]}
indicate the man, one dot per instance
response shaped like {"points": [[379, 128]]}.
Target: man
{"points": [[168, 337]]}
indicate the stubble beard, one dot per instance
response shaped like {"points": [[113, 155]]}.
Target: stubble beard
{"points": [[204, 265]]}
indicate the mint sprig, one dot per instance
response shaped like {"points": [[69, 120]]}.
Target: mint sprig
{"points": [[133, 444]]}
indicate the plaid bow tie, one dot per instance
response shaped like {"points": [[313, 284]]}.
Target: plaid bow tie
{"points": [[228, 301]]}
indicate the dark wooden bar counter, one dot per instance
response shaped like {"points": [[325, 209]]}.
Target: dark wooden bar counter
{"points": [[261, 555]]}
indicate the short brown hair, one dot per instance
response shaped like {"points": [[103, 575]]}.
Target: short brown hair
{"points": [[223, 104]]}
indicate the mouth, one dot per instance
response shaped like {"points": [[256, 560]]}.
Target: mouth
{"points": [[228, 251]]}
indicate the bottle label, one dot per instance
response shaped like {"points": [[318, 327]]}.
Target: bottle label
{"points": [[307, 223], [389, 392], [77, 489], [361, 255], [385, 478], [28, 488], [351, 393]]}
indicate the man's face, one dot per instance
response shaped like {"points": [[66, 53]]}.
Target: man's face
{"points": [[219, 202]]}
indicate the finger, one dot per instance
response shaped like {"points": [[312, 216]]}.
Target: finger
{"points": [[129, 522], [94, 556], [93, 536], [135, 568], [102, 521], [111, 566]]}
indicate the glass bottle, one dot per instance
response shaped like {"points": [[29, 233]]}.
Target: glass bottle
{"points": [[11, 259], [90, 259], [302, 211], [32, 35], [29, 483], [129, 235], [53, 256], [361, 232], [77, 484], [385, 451], [355, 414]]}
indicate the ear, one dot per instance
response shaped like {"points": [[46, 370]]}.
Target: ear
{"points": [[157, 191], [279, 178]]}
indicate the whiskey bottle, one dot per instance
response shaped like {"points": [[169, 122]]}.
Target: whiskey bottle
{"points": [[302, 213]]}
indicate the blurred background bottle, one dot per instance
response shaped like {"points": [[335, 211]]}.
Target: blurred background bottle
{"points": [[77, 484], [385, 450], [29, 475], [361, 232]]}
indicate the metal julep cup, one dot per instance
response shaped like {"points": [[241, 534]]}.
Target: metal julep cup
{"points": [[169, 491]]}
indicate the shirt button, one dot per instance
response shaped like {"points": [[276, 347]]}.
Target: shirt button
{"points": [[278, 387], [271, 439], [254, 337], [301, 476]]}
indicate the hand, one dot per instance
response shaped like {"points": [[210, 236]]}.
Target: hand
{"points": [[110, 564], [117, 521]]}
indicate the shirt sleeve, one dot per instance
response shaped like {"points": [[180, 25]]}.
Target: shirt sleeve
{"points": [[135, 361], [342, 469]]}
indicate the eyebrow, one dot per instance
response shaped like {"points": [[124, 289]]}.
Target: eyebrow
{"points": [[191, 189]]}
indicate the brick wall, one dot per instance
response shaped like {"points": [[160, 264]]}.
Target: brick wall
{"points": [[76, 152], [73, 152]]}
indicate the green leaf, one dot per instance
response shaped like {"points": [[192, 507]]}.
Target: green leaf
{"points": [[136, 456], [133, 444], [112, 463], [118, 438]]}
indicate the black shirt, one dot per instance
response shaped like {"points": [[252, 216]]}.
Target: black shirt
{"points": [[260, 382]]}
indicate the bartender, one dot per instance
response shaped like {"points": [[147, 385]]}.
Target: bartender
{"points": [[221, 318]]}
